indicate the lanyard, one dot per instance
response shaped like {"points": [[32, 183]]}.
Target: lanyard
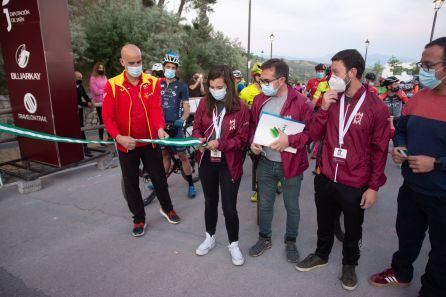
{"points": [[218, 122], [342, 128]]}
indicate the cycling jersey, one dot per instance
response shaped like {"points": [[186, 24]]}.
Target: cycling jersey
{"points": [[394, 103], [320, 91], [248, 94], [312, 84]]}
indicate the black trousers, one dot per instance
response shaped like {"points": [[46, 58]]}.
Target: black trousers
{"points": [[214, 176], [332, 198], [101, 122], [153, 163], [81, 123], [418, 213]]}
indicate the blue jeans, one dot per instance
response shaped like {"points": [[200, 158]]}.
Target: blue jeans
{"points": [[269, 173]]}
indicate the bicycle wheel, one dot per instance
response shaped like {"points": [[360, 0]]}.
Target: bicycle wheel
{"points": [[147, 194]]}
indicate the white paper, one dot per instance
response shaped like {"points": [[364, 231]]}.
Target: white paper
{"points": [[268, 122]]}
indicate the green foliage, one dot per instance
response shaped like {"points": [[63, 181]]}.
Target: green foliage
{"points": [[395, 66], [107, 25], [378, 69]]}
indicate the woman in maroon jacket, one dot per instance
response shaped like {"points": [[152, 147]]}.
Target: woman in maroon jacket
{"points": [[221, 121]]}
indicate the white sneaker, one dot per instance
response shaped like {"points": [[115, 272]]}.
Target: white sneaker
{"points": [[207, 245], [236, 254]]}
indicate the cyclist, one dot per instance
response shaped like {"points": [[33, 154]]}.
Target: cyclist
{"points": [[248, 93], [370, 82], [238, 81], [393, 97], [313, 83], [157, 70], [175, 103]]}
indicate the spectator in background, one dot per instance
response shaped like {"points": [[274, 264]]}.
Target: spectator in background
{"points": [[98, 80], [312, 84], [196, 86], [158, 70], [83, 100], [238, 81], [394, 98], [370, 82]]}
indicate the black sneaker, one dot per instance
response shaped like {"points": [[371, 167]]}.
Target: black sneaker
{"points": [[171, 216], [138, 229], [260, 247], [292, 254], [348, 279], [311, 262]]}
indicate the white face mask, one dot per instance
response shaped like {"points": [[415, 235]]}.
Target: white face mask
{"points": [[218, 94], [336, 83]]}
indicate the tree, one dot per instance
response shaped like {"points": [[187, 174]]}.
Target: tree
{"points": [[378, 69], [395, 66], [109, 26]]}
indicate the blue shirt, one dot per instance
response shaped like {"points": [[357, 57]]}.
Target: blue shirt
{"points": [[422, 129], [172, 97]]}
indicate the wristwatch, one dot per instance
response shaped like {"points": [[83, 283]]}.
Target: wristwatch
{"points": [[438, 165]]}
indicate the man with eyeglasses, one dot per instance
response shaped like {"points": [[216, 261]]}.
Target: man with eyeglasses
{"points": [[275, 164], [421, 149]]}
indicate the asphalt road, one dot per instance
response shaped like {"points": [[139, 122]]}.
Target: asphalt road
{"points": [[72, 238]]}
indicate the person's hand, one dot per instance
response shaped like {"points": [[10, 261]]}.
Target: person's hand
{"points": [[421, 164], [281, 143], [201, 148], [126, 141], [392, 126], [162, 134], [329, 98], [212, 145], [91, 105], [397, 157], [256, 149], [368, 198]]}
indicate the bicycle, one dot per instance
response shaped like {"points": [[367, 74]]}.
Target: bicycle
{"points": [[148, 194]]}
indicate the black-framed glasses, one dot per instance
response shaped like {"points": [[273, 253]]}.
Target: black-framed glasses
{"points": [[267, 82], [426, 66]]}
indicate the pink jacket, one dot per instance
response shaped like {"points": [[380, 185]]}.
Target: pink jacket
{"points": [[97, 87], [234, 134], [297, 107]]}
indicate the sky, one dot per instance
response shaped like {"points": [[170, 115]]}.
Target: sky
{"points": [[314, 29]]}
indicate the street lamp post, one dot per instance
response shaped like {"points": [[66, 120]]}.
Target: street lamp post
{"points": [[367, 43], [249, 43], [271, 37], [437, 5], [262, 54]]}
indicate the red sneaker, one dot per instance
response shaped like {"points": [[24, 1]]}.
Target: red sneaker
{"points": [[386, 278], [171, 216]]}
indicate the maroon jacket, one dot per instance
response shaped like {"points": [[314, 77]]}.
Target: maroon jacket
{"points": [[296, 107], [366, 142], [234, 134]]}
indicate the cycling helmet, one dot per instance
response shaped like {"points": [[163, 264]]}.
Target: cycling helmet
{"points": [[237, 73], [157, 67], [255, 70], [370, 76], [389, 81], [320, 67], [171, 57]]}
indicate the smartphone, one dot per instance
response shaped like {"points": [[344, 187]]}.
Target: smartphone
{"points": [[403, 152]]}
